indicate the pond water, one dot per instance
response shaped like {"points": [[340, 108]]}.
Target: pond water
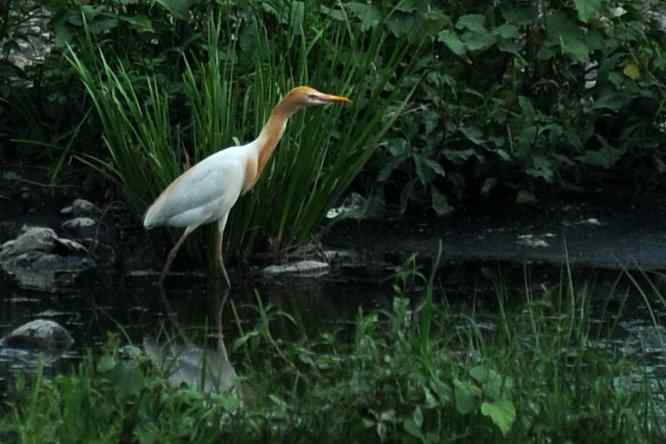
{"points": [[135, 308]]}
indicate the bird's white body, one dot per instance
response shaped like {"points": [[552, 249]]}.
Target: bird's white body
{"points": [[206, 192]]}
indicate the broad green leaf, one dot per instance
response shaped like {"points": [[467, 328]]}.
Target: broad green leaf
{"points": [[511, 47], [473, 134], [477, 41], [525, 197], [542, 167], [435, 167], [459, 156], [417, 417], [473, 22], [493, 383], [409, 5], [576, 48], [506, 31], [178, 8], [612, 101], [466, 396], [389, 168], [563, 31], [335, 14], [369, 15], [139, 22], [129, 381], [106, 363], [413, 430], [632, 71], [503, 154], [439, 202], [405, 25], [587, 8], [526, 107], [502, 413], [452, 41], [520, 16], [102, 24], [606, 157], [488, 185], [63, 33], [424, 174]]}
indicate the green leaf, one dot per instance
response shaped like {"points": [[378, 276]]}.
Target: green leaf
{"points": [[335, 14], [102, 24], [477, 41], [493, 383], [435, 167], [139, 22], [369, 15], [179, 8], [405, 25], [605, 157], [459, 156], [297, 16], [452, 41], [632, 71], [542, 167], [520, 16], [439, 202], [466, 395], [473, 22], [612, 101], [577, 48], [563, 31], [388, 169], [106, 363], [473, 134], [488, 185], [587, 8], [526, 107], [502, 414], [525, 197], [506, 31], [129, 382]]}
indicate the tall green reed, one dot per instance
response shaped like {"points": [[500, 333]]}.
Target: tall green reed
{"points": [[229, 95]]}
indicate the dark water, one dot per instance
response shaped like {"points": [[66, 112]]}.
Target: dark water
{"points": [[633, 313]]}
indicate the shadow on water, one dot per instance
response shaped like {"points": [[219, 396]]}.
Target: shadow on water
{"points": [[136, 308]]}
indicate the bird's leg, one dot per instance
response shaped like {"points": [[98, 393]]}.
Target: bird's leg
{"points": [[174, 250], [220, 236]]}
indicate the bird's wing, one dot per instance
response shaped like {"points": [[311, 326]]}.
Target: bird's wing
{"points": [[204, 193]]}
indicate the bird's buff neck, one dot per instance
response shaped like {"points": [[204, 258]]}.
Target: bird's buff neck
{"points": [[272, 131]]}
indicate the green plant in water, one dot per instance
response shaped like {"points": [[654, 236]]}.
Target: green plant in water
{"points": [[414, 373]]}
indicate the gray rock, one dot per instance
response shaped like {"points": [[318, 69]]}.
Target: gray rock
{"points": [[47, 272], [79, 223], [40, 260], [305, 267], [32, 239], [81, 207], [40, 334]]}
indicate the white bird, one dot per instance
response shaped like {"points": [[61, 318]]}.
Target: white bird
{"points": [[206, 192]]}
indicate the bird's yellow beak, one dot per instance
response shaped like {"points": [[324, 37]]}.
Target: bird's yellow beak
{"points": [[334, 99]]}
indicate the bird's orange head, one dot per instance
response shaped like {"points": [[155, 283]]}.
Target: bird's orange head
{"points": [[307, 96]]}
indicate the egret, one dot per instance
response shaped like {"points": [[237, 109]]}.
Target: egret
{"points": [[206, 192]]}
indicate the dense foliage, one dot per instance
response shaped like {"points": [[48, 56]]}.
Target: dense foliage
{"points": [[505, 98]]}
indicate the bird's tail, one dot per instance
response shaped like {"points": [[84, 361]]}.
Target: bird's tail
{"points": [[149, 218]]}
